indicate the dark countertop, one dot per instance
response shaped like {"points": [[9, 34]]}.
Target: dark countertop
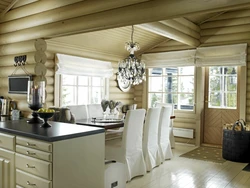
{"points": [[58, 131]]}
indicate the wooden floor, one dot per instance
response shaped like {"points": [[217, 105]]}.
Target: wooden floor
{"points": [[180, 172]]}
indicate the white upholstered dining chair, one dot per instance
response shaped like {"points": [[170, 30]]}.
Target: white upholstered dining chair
{"points": [[79, 111], [151, 150], [128, 149], [95, 110], [171, 125], [163, 140]]}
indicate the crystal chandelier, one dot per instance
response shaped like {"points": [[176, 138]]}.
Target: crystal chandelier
{"points": [[131, 69]]}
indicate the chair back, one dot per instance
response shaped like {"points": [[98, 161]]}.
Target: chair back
{"points": [[164, 127], [171, 125], [95, 110], [62, 115], [133, 131], [150, 138], [167, 105], [79, 111], [164, 122]]}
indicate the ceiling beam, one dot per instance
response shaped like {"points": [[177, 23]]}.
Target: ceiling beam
{"points": [[8, 8], [182, 28], [144, 12], [169, 32]]}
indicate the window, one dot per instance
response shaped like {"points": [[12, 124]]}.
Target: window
{"points": [[81, 90], [172, 85], [222, 87]]}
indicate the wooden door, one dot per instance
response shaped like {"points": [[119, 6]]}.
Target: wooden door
{"points": [[221, 102]]}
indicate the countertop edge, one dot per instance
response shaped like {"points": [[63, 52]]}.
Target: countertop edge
{"points": [[51, 139]]}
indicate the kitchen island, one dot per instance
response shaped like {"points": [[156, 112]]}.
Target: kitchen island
{"points": [[62, 156]]}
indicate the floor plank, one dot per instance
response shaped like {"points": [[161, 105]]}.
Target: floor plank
{"points": [[180, 172]]}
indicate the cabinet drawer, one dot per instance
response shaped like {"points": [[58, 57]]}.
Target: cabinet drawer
{"points": [[24, 179], [34, 153], [32, 143], [34, 166], [7, 141]]}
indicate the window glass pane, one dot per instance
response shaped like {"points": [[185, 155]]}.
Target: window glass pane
{"points": [[171, 84], [186, 101], [223, 87], [230, 70], [214, 99], [214, 70], [68, 95], [186, 71], [83, 95], [171, 71], [97, 81], [96, 95], [214, 83], [155, 84], [83, 80], [231, 83], [154, 97], [230, 100], [68, 80], [170, 98], [155, 71], [186, 84]]}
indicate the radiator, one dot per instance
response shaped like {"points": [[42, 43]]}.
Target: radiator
{"points": [[183, 132]]}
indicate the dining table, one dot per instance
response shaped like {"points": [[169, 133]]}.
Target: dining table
{"points": [[100, 122]]}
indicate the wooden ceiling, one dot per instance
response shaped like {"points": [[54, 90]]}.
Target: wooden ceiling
{"points": [[149, 35]]}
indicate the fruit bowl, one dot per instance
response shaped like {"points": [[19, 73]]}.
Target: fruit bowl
{"points": [[45, 116]]}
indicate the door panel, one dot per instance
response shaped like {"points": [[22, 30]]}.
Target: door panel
{"points": [[213, 124], [215, 118]]}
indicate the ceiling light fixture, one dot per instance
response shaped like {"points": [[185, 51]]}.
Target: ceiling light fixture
{"points": [[131, 70]]}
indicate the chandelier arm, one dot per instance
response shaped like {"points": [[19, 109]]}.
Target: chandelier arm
{"points": [[132, 34]]}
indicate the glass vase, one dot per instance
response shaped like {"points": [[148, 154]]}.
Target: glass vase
{"points": [[35, 99]]}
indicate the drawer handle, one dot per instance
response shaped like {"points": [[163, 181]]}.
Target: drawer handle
{"points": [[30, 153], [31, 184], [29, 166], [29, 144]]}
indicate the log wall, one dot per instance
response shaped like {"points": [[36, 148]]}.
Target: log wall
{"points": [[18, 32], [228, 28], [39, 63]]}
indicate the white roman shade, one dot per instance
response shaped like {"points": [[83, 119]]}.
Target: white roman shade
{"points": [[228, 55], [80, 66], [169, 59]]}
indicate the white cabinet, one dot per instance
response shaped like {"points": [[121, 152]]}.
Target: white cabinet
{"points": [[7, 166], [76, 162], [33, 163]]}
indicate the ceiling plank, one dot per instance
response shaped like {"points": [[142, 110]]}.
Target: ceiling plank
{"points": [[149, 11], [164, 30]]}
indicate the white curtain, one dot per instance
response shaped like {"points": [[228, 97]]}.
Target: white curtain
{"points": [[80, 66], [228, 55], [169, 59]]}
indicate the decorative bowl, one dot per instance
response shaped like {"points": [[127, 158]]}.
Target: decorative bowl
{"points": [[45, 116]]}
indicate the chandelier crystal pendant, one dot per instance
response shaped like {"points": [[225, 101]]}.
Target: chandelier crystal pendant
{"points": [[131, 70]]}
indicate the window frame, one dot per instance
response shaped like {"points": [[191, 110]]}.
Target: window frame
{"points": [[164, 75], [223, 78], [89, 85]]}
